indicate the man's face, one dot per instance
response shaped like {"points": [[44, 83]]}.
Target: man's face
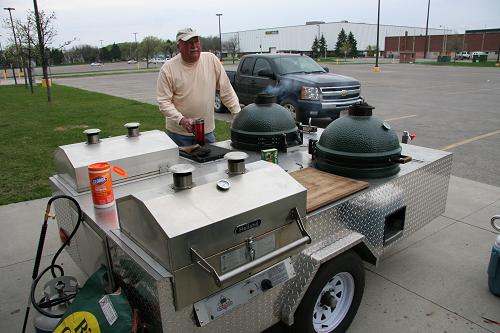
{"points": [[190, 49]]}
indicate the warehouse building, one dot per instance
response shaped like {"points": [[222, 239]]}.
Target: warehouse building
{"points": [[300, 38]]}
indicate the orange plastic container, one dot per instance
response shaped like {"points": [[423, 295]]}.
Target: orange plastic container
{"points": [[101, 183]]}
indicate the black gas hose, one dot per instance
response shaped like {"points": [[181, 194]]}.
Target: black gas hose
{"points": [[39, 306]]}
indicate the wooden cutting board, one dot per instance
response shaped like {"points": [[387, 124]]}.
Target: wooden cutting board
{"points": [[324, 188]]}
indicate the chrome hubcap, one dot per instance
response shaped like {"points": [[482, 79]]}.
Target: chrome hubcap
{"points": [[217, 102]]}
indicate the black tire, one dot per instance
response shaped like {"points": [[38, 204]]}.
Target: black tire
{"points": [[219, 106], [293, 108], [332, 273]]}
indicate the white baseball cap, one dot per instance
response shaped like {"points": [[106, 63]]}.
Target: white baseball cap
{"points": [[186, 34]]}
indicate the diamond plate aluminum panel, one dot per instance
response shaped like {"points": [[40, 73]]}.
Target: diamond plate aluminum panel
{"points": [[153, 294], [423, 192]]}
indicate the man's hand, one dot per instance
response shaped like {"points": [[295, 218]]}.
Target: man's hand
{"points": [[187, 123]]}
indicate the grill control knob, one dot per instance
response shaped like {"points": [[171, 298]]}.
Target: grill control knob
{"points": [[266, 284]]}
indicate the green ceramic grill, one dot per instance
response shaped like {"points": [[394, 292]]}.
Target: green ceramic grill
{"points": [[359, 145], [264, 125]]}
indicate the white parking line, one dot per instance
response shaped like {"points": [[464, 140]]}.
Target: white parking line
{"points": [[402, 117], [463, 142]]}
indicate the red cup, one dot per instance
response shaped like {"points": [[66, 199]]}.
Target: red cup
{"points": [[199, 131]]}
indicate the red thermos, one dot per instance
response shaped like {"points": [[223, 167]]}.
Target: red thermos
{"points": [[199, 131]]}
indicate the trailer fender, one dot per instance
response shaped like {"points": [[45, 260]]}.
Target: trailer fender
{"points": [[308, 262]]}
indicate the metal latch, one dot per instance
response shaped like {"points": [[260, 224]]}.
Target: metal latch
{"points": [[250, 248]]}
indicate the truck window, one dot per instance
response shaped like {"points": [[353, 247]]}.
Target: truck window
{"points": [[287, 65], [261, 64], [246, 67]]}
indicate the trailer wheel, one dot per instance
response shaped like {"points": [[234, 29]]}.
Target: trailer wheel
{"points": [[333, 298]]}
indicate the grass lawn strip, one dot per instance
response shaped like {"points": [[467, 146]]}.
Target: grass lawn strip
{"points": [[32, 129]]}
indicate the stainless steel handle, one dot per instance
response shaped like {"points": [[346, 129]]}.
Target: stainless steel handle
{"points": [[493, 224], [221, 279]]}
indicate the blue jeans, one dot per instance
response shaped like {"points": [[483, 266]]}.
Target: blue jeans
{"points": [[189, 140]]}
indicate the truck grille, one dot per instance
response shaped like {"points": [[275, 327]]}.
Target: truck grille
{"points": [[340, 93]]}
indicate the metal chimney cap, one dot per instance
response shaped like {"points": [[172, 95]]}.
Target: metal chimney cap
{"points": [[182, 168], [132, 125], [236, 156], [92, 131]]}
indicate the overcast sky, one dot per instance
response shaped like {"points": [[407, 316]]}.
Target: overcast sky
{"points": [[89, 21]]}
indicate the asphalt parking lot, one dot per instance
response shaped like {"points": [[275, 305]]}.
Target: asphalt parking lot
{"points": [[452, 108], [434, 281]]}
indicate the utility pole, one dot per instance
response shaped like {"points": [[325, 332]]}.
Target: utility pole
{"points": [[427, 31], [15, 40], [376, 69], [220, 37], [136, 55]]}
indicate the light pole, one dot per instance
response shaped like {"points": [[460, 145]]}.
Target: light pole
{"points": [[136, 56], [220, 37], [376, 69], [15, 39], [444, 39], [427, 31], [101, 55]]}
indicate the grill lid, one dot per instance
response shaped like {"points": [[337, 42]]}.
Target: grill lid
{"points": [[359, 145], [264, 124]]}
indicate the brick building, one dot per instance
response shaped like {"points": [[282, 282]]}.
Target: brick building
{"points": [[487, 41]]}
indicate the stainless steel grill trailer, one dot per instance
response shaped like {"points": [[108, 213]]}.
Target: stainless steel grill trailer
{"points": [[242, 255]]}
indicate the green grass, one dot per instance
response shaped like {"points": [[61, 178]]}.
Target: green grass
{"points": [[31, 130], [459, 63]]}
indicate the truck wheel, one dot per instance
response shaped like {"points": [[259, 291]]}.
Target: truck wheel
{"points": [[293, 108], [333, 298], [219, 106]]}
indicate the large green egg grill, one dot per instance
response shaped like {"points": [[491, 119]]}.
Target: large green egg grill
{"points": [[264, 125], [359, 145]]}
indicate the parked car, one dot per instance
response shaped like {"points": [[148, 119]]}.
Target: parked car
{"points": [[478, 53], [462, 55], [303, 87], [96, 64], [157, 61], [132, 61]]}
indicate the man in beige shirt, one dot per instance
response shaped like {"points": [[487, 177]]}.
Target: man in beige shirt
{"points": [[186, 89]]}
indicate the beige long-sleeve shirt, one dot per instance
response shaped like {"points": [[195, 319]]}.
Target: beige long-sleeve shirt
{"points": [[188, 90]]}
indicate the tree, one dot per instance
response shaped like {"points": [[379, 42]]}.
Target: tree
{"points": [[46, 34], [27, 39], [345, 49], [354, 44], [232, 45], [82, 54], [57, 56], [322, 45], [315, 48], [454, 43], [167, 48], [104, 54], [370, 50], [149, 46], [115, 53], [210, 43], [341, 40]]}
